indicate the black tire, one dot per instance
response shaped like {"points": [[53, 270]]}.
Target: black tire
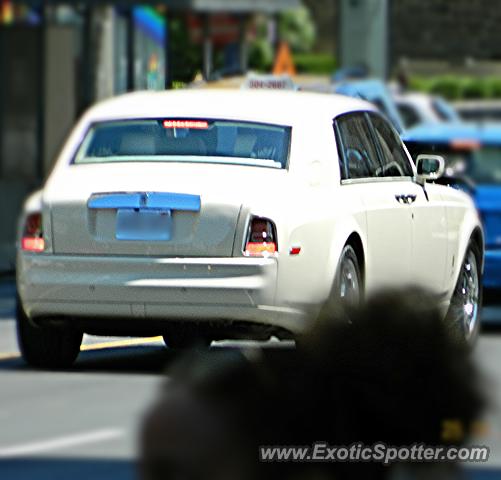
{"points": [[341, 297], [463, 316], [181, 340], [46, 347]]}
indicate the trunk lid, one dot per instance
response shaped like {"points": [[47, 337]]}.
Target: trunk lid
{"points": [[150, 209]]}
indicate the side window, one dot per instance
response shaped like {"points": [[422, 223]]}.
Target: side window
{"points": [[394, 159], [356, 150]]}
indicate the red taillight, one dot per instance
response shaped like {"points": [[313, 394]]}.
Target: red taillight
{"points": [[254, 249], [261, 238], [32, 240], [33, 244]]}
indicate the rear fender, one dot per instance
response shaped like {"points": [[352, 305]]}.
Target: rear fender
{"points": [[307, 279], [471, 227]]}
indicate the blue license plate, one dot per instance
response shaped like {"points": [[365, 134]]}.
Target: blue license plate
{"points": [[146, 225]]}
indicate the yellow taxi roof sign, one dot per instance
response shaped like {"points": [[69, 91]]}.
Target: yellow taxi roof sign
{"points": [[284, 64], [255, 81]]}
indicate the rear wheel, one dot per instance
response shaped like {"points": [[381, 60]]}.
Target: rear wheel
{"points": [[464, 311], [347, 288], [348, 278], [46, 347]]}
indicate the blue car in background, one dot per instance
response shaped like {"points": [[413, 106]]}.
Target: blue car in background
{"points": [[403, 108], [373, 91], [473, 163]]}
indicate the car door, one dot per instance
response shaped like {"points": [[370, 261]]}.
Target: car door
{"points": [[426, 207], [389, 227]]}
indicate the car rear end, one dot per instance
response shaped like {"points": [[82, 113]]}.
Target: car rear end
{"points": [[159, 220]]}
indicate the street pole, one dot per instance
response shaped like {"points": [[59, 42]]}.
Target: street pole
{"points": [[131, 33], [207, 48], [243, 48], [167, 53], [40, 132], [86, 90], [363, 35], [2, 90]]}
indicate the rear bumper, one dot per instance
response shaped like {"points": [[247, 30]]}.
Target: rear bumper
{"points": [[492, 269], [191, 289]]}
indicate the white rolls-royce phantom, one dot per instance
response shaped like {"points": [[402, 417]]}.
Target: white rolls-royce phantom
{"points": [[201, 215]]}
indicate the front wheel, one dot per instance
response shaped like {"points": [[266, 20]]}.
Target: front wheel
{"points": [[464, 311], [46, 347]]}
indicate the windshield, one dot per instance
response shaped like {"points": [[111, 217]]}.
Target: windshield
{"points": [[443, 110], [482, 165], [409, 115], [186, 140]]}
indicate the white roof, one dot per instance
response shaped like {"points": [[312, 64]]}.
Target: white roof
{"points": [[418, 98], [281, 107]]}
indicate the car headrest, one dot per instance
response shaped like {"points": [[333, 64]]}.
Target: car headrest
{"points": [[184, 146], [137, 144], [244, 144]]}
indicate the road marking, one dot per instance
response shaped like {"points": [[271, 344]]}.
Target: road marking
{"points": [[129, 342], [60, 443]]}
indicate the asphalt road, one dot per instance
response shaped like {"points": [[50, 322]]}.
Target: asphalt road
{"points": [[83, 423]]}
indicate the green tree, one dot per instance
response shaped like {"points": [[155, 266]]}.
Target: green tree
{"points": [[185, 57], [296, 27]]}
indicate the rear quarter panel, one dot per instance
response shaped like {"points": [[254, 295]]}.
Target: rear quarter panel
{"points": [[318, 217]]}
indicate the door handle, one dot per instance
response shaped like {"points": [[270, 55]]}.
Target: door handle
{"points": [[406, 198]]}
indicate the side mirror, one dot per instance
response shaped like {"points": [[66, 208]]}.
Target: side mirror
{"points": [[430, 167]]}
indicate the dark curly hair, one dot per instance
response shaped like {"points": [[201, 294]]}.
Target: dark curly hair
{"points": [[387, 372]]}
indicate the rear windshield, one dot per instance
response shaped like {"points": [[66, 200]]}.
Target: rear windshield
{"points": [[186, 140]]}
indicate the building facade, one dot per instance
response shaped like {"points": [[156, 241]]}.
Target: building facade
{"points": [[435, 33], [58, 57]]}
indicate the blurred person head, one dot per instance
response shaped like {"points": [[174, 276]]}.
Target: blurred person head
{"points": [[387, 372]]}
